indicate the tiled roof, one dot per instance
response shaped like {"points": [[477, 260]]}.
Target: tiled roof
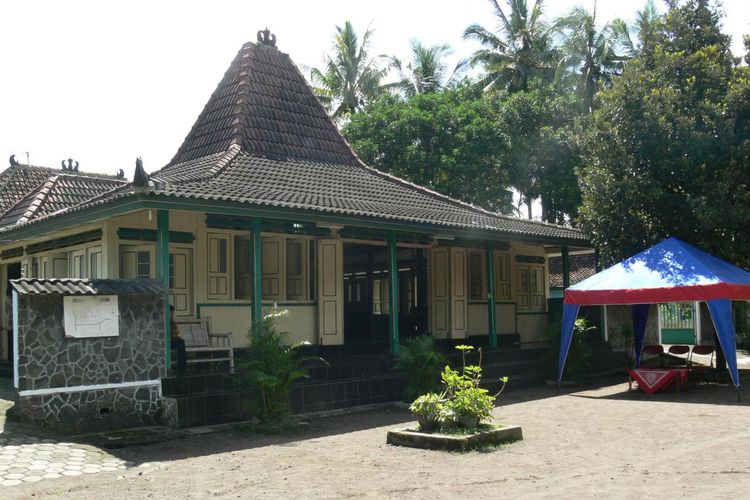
{"points": [[57, 192], [17, 180], [73, 286], [582, 266], [263, 139], [264, 105]]}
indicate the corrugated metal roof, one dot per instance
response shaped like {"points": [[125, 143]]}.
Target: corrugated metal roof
{"points": [[74, 286]]}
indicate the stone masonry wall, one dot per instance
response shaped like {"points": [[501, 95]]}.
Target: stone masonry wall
{"points": [[47, 360]]}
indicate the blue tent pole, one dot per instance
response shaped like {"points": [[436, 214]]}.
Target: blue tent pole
{"points": [[639, 313], [570, 312], [721, 314]]}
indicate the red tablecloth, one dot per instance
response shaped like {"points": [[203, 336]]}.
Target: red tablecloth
{"points": [[656, 379]]}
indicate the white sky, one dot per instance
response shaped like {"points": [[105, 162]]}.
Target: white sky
{"points": [[105, 82]]}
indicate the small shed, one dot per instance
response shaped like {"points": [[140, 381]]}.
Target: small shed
{"points": [[88, 354]]}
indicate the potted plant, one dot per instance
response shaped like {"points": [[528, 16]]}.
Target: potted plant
{"points": [[427, 409]]}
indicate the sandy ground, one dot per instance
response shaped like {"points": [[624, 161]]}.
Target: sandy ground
{"points": [[600, 442]]}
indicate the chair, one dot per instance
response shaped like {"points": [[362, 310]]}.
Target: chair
{"points": [[700, 371], [679, 350], [653, 350]]}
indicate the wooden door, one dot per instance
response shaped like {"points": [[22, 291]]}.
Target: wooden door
{"points": [[439, 277], [331, 292], [181, 280], [459, 293]]}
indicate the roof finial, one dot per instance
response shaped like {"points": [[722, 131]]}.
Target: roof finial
{"points": [[140, 177], [13, 161], [266, 38]]}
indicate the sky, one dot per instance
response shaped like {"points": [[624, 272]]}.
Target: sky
{"points": [[104, 82]]}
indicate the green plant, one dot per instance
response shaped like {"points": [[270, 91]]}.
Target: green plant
{"points": [[427, 409], [463, 404], [271, 366], [421, 362]]}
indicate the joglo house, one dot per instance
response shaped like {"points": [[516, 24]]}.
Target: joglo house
{"points": [[266, 205]]}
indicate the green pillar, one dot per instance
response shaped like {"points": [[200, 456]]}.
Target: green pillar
{"points": [[256, 249], [162, 271], [393, 293], [566, 267], [491, 313]]}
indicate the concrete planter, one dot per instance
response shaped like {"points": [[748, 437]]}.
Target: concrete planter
{"points": [[450, 442]]}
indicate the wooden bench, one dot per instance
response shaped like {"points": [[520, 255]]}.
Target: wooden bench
{"points": [[199, 339]]}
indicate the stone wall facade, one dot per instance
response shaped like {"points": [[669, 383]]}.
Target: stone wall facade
{"points": [[119, 377]]}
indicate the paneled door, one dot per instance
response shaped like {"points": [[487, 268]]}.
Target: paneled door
{"points": [[331, 292], [137, 261]]}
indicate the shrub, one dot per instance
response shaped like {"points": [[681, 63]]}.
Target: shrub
{"points": [[421, 362], [271, 366], [463, 404]]}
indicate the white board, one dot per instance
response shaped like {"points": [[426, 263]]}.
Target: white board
{"points": [[91, 316]]}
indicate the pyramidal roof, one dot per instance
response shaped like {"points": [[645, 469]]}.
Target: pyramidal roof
{"points": [[264, 105]]}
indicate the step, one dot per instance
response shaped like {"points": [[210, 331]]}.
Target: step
{"points": [[209, 408]]}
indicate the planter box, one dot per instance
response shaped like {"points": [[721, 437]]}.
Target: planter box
{"points": [[450, 442]]}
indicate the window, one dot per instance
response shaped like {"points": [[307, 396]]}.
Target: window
{"points": [[218, 266], [502, 276], [285, 266], [476, 276], [295, 269], [135, 262], [243, 277], [78, 264], [95, 262], [35, 267], [530, 287]]}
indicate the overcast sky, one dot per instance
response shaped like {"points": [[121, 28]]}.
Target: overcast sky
{"points": [[105, 82]]}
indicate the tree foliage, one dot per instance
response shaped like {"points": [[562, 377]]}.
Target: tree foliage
{"points": [[667, 154], [446, 141], [428, 70]]}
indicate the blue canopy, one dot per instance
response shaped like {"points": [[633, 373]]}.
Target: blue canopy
{"points": [[671, 271]]}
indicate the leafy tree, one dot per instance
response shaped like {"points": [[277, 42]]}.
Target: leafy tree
{"points": [[589, 52], [541, 152], [447, 141], [428, 70], [520, 50], [350, 77], [668, 152]]}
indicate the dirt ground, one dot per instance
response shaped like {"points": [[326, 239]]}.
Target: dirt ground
{"points": [[600, 442]]}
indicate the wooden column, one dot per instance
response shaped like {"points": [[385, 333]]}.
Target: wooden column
{"points": [[491, 314], [393, 293], [256, 258], [566, 267], [162, 270]]}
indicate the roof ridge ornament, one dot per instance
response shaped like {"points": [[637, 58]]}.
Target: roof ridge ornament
{"points": [[13, 161], [265, 37], [70, 166], [140, 177]]}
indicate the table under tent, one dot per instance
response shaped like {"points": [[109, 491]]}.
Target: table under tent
{"points": [[671, 271]]}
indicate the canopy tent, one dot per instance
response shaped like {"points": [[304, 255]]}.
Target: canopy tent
{"points": [[671, 271]]}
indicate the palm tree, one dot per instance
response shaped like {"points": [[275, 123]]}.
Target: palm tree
{"points": [[644, 21], [520, 50], [350, 77], [428, 71], [589, 52]]}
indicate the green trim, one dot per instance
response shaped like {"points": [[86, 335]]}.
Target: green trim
{"points": [[162, 270], [256, 257], [66, 241], [529, 313], [502, 246], [393, 293], [11, 252], [491, 314], [131, 233]]}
